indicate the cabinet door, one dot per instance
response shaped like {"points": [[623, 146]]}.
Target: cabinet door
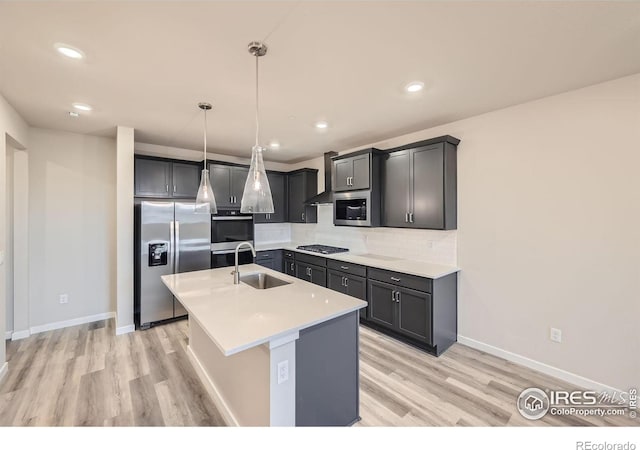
{"points": [[427, 179], [152, 178], [357, 287], [360, 174], [414, 314], [289, 267], [342, 172], [238, 180], [220, 177], [382, 306], [278, 185], [395, 189], [319, 276], [335, 281], [186, 180], [296, 198]]}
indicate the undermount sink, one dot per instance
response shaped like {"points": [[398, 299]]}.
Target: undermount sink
{"points": [[262, 280]]}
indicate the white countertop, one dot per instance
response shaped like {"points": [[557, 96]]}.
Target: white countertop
{"points": [[418, 268], [239, 317]]}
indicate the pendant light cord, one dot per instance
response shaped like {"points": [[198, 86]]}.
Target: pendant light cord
{"points": [[205, 138], [257, 105]]}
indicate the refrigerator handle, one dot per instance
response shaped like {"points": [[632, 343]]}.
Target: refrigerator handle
{"points": [[177, 253], [172, 245]]}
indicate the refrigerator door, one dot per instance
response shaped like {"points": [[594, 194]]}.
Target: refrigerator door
{"points": [[193, 243], [157, 259]]}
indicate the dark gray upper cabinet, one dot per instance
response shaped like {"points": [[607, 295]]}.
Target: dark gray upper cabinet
{"points": [[152, 178], [354, 173], [164, 178], [186, 180], [302, 184], [228, 183], [419, 185], [278, 185]]}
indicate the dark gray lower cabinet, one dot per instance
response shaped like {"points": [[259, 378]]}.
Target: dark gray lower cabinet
{"points": [[289, 266], [271, 259], [425, 319], [346, 283], [312, 273]]}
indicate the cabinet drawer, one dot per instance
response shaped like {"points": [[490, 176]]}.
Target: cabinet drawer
{"points": [[400, 279], [316, 260], [353, 269], [267, 254]]}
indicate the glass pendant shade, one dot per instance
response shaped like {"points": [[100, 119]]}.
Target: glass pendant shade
{"points": [[256, 197], [205, 201]]}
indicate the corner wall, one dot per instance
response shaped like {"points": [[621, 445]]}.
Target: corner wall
{"points": [[72, 189]]}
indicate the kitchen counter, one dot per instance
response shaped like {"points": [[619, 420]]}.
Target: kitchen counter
{"points": [[418, 268], [238, 317], [283, 356]]}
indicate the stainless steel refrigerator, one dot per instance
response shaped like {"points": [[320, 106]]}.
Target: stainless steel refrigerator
{"points": [[170, 238]]}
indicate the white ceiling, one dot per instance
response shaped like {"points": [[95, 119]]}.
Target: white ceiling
{"points": [[149, 63]]}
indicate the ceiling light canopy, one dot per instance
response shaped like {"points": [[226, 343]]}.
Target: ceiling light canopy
{"points": [[321, 125], [82, 107], [73, 114], [69, 52], [414, 86], [256, 197], [205, 200]]}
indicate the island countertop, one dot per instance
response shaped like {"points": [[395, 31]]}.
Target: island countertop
{"points": [[239, 317]]}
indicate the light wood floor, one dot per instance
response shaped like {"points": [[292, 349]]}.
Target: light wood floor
{"points": [[85, 375]]}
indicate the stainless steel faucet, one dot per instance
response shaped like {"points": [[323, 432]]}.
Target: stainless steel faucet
{"points": [[236, 272]]}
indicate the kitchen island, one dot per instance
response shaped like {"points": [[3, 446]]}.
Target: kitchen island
{"points": [[282, 356]]}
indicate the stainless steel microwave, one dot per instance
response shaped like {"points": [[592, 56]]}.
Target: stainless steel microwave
{"points": [[355, 208]]}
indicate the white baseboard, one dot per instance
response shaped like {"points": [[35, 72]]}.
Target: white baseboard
{"points": [[71, 323], [3, 370], [210, 386], [125, 329], [7, 335], [561, 374], [17, 335]]}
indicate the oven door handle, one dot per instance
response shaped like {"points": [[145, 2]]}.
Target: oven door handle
{"points": [[216, 219], [226, 252]]}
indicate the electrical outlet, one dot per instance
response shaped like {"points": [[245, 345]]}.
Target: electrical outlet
{"points": [[64, 298], [283, 371], [555, 335]]}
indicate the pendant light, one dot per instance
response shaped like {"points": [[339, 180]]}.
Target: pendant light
{"points": [[205, 201], [256, 197]]}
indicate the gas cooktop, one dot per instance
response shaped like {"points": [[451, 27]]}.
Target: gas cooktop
{"points": [[324, 249]]}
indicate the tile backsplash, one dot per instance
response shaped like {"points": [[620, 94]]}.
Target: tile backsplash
{"points": [[421, 245]]}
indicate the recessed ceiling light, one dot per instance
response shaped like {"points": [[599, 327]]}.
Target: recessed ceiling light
{"points": [[73, 114], [321, 125], [414, 86], [69, 51], [274, 145], [82, 107]]}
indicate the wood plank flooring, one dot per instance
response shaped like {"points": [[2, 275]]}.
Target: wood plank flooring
{"points": [[87, 376]]}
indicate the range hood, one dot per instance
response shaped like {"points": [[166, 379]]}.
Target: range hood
{"points": [[325, 197]]}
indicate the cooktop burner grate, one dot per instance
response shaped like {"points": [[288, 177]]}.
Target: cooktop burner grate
{"points": [[324, 249]]}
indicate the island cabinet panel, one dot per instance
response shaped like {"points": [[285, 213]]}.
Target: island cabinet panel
{"points": [[327, 373], [271, 259]]}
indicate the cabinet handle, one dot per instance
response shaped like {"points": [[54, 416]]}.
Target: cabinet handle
{"points": [[410, 217], [346, 282], [309, 272], [406, 217], [397, 296], [395, 279], [292, 267], [342, 281], [344, 267], [303, 217], [166, 187], [175, 188], [393, 296]]}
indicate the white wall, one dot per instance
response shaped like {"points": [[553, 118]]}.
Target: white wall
{"points": [[549, 229], [13, 129], [8, 257], [72, 189]]}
